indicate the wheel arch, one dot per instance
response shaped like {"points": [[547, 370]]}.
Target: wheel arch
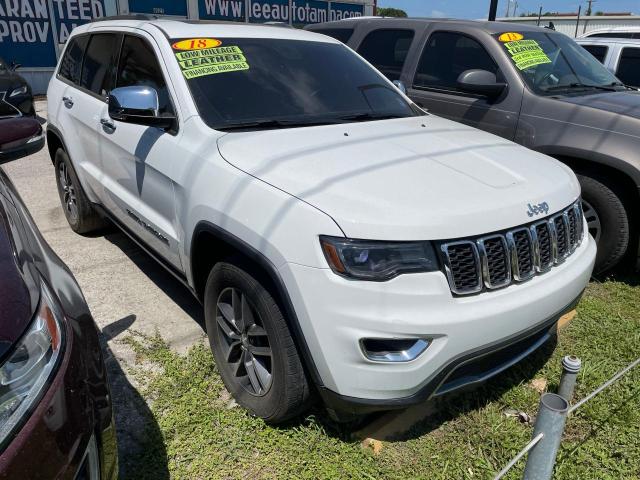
{"points": [[619, 175], [211, 244], [54, 142], [610, 170]]}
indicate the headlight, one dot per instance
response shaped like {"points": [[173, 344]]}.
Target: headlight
{"points": [[19, 91], [25, 374], [375, 260]]}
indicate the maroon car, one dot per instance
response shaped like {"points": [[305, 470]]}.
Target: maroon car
{"points": [[56, 416]]}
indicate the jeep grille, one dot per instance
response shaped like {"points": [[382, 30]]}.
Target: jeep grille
{"points": [[516, 255]]}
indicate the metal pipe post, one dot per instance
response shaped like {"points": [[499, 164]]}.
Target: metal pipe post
{"points": [[539, 15], [552, 416], [493, 10], [570, 368], [578, 20]]}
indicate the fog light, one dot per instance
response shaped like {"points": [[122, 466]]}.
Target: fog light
{"points": [[393, 349]]}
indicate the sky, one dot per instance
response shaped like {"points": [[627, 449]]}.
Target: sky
{"points": [[475, 9]]}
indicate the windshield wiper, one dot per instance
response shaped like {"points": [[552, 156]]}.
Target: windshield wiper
{"points": [[267, 124], [365, 116], [576, 85]]}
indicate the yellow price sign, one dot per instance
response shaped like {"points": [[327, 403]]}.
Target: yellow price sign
{"points": [[196, 44], [510, 37]]}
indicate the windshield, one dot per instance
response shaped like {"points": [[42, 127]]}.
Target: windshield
{"points": [[552, 63], [273, 83]]}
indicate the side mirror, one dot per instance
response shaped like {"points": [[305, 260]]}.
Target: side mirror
{"points": [[19, 137], [400, 85], [139, 105], [481, 82]]}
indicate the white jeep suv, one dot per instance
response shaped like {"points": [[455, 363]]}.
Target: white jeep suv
{"points": [[342, 241]]}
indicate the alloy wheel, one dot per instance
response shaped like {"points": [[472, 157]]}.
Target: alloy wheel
{"points": [[245, 342], [593, 220], [69, 200]]}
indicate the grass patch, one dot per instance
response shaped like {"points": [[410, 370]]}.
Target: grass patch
{"points": [[198, 435]]}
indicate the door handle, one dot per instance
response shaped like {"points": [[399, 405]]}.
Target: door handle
{"points": [[107, 123], [68, 102]]}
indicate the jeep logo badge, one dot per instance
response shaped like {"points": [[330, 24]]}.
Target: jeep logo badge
{"points": [[538, 209]]}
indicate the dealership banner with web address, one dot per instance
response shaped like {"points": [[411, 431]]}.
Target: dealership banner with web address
{"points": [[30, 30], [301, 12]]}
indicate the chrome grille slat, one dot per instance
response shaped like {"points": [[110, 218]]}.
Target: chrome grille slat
{"points": [[497, 260], [496, 264], [521, 249], [463, 271]]}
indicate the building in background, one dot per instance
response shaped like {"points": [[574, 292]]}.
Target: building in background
{"points": [[33, 32], [567, 23]]}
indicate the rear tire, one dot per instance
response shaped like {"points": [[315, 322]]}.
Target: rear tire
{"points": [[252, 346], [608, 222], [78, 210]]}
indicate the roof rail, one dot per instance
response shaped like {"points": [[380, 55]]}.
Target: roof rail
{"points": [[135, 16]]}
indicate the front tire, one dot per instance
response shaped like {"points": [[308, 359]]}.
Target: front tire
{"points": [[78, 210], [252, 346], [608, 222]]}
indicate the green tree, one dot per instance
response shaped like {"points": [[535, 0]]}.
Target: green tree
{"points": [[391, 12]]}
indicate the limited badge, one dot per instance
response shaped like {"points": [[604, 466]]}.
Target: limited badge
{"points": [[510, 37], [196, 44]]}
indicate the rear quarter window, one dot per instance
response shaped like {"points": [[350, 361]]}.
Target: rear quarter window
{"points": [[341, 34], [71, 62], [598, 51]]}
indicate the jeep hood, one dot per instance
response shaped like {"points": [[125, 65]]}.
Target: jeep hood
{"points": [[405, 179]]}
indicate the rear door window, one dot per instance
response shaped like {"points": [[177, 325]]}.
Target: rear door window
{"points": [[629, 67], [71, 62], [445, 56], [98, 67], [139, 66], [387, 50], [598, 51]]}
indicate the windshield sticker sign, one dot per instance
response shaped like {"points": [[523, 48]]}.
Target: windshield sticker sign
{"points": [[526, 53], [209, 61], [510, 37], [196, 44]]}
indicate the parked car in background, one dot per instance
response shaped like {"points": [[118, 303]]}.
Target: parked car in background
{"points": [[20, 137], [620, 56], [15, 93], [531, 85], [613, 32], [55, 407], [342, 241]]}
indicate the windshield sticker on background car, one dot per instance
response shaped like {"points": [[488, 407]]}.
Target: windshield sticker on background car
{"points": [[510, 37], [209, 61], [526, 53]]}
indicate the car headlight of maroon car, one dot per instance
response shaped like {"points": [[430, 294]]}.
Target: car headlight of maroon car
{"points": [[26, 372]]}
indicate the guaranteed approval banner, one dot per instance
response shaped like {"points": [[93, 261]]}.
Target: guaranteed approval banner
{"points": [[31, 29]]}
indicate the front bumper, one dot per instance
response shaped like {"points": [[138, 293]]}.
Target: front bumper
{"points": [[335, 313], [75, 411]]}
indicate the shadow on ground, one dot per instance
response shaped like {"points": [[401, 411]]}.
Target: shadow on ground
{"points": [[164, 280], [140, 440], [139, 436]]}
